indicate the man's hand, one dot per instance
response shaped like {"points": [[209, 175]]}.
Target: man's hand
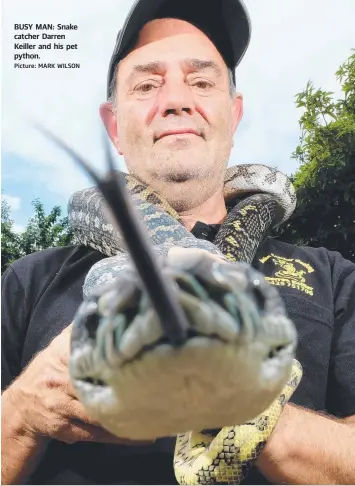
{"points": [[41, 405], [46, 400]]}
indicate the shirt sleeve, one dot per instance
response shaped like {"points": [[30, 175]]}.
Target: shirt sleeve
{"points": [[13, 323], [341, 379]]}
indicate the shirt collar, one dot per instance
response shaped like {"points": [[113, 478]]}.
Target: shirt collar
{"points": [[205, 231]]}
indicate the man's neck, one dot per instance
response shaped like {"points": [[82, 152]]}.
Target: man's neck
{"points": [[212, 211]]}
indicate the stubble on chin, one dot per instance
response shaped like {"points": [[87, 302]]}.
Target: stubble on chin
{"points": [[185, 176]]}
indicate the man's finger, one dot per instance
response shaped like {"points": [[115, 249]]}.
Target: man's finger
{"points": [[106, 437], [70, 390], [76, 411], [83, 432]]}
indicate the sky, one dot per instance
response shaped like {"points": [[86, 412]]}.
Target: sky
{"points": [[292, 42]]}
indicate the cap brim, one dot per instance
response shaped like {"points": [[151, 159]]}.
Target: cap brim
{"points": [[225, 22]]}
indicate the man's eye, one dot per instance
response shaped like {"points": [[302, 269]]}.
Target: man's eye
{"points": [[146, 87], [202, 84]]}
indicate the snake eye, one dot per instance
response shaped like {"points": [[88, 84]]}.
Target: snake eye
{"points": [[88, 318], [86, 323], [275, 351], [91, 324], [94, 381]]}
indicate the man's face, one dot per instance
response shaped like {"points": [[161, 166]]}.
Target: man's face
{"points": [[175, 115]]}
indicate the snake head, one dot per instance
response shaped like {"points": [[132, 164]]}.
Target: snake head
{"points": [[236, 358], [184, 343]]}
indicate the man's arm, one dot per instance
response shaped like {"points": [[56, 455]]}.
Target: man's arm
{"points": [[310, 448], [39, 404], [21, 452]]}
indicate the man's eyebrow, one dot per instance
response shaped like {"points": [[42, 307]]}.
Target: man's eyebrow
{"points": [[149, 67], [159, 66], [199, 65]]}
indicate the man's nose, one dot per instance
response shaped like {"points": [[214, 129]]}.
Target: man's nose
{"points": [[175, 98]]}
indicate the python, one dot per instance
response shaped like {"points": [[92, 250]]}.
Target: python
{"points": [[233, 363]]}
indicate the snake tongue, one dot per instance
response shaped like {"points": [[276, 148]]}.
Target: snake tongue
{"points": [[124, 215]]}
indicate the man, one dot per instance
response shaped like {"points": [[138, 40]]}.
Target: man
{"points": [[172, 113]]}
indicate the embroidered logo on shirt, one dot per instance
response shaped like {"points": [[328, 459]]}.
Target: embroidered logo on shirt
{"points": [[289, 272]]}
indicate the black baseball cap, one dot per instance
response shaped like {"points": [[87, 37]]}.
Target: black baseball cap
{"points": [[225, 22]]}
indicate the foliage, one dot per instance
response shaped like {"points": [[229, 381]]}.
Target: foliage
{"points": [[42, 231], [45, 231], [10, 244], [325, 179]]}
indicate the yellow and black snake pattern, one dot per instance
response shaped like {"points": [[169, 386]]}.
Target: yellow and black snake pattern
{"points": [[228, 457], [238, 367]]}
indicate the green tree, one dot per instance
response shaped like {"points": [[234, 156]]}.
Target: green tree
{"points": [[45, 231], [10, 241], [42, 231], [325, 179]]}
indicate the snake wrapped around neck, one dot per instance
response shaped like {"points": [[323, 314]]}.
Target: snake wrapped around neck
{"points": [[220, 393]]}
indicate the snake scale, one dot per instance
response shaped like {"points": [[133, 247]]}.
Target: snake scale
{"points": [[221, 391]]}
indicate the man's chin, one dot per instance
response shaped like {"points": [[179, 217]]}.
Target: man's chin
{"points": [[180, 174], [179, 177]]}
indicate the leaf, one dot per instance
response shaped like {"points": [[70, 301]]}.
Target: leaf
{"points": [[325, 178]]}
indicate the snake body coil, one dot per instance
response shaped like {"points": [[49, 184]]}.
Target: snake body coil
{"points": [[236, 369]]}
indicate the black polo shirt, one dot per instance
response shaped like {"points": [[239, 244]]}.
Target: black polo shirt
{"points": [[42, 291]]}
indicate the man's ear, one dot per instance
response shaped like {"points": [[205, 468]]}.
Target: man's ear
{"points": [[109, 119], [237, 110]]}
